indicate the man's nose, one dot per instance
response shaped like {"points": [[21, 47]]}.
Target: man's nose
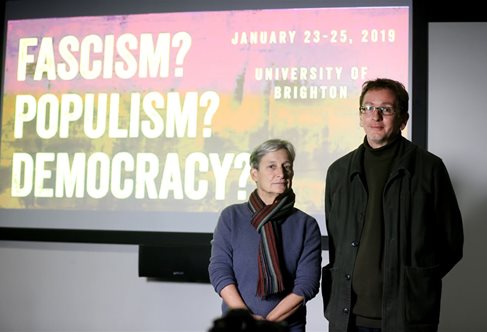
{"points": [[376, 114]]}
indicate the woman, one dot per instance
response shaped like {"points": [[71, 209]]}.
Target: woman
{"points": [[266, 254]]}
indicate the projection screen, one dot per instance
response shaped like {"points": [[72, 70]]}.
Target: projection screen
{"points": [[141, 117]]}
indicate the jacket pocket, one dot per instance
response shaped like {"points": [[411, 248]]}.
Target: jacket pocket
{"points": [[423, 295]]}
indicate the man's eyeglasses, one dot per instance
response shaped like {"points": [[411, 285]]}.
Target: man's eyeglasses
{"points": [[369, 110]]}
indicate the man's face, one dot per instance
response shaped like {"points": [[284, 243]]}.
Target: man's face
{"points": [[380, 128]]}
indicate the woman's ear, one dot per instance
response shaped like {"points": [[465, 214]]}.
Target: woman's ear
{"points": [[253, 174]]}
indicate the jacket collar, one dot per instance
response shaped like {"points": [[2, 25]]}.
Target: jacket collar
{"points": [[404, 162]]}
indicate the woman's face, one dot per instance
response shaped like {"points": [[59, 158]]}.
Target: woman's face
{"points": [[273, 176]]}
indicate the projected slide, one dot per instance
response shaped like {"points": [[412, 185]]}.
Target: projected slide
{"points": [[147, 120]]}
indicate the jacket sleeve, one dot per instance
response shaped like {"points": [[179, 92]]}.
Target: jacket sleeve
{"points": [[326, 274], [328, 206], [449, 220]]}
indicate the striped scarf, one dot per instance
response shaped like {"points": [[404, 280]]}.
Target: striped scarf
{"points": [[265, 220]]}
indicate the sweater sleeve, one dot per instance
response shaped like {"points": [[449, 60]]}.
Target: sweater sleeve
{"points": [[220, 267], [308, 273]]}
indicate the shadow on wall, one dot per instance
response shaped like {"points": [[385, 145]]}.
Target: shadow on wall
{"points": [[465, 287]]}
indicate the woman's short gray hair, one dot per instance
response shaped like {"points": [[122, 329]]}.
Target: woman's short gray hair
{"points": [[271, 145]]}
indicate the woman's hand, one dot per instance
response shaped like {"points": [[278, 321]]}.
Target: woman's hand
{"points": [[285, 308], [232, 297]]}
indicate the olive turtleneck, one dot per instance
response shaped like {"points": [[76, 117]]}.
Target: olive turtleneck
{"points": [[368, 275]]}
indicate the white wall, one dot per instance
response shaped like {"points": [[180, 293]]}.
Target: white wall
{"points": [[457, 132], [84, 287]]}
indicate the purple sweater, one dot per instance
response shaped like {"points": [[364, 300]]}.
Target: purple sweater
{"points": [[234, 254]]}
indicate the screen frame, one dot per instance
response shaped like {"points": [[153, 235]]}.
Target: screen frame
{"points": [[418, 84]]}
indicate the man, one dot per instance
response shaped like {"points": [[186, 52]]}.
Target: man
{"points": [[394, 225]]}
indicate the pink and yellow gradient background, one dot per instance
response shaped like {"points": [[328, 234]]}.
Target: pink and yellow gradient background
{"points": [[322, 129]]}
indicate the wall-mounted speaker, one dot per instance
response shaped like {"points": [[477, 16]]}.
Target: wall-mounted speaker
{"points": [[175, 262]]}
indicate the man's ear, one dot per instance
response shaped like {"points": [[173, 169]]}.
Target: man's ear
{"points": [[404, 120]]}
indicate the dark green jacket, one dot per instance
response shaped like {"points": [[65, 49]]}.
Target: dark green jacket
{"points": [[423, 238]]}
